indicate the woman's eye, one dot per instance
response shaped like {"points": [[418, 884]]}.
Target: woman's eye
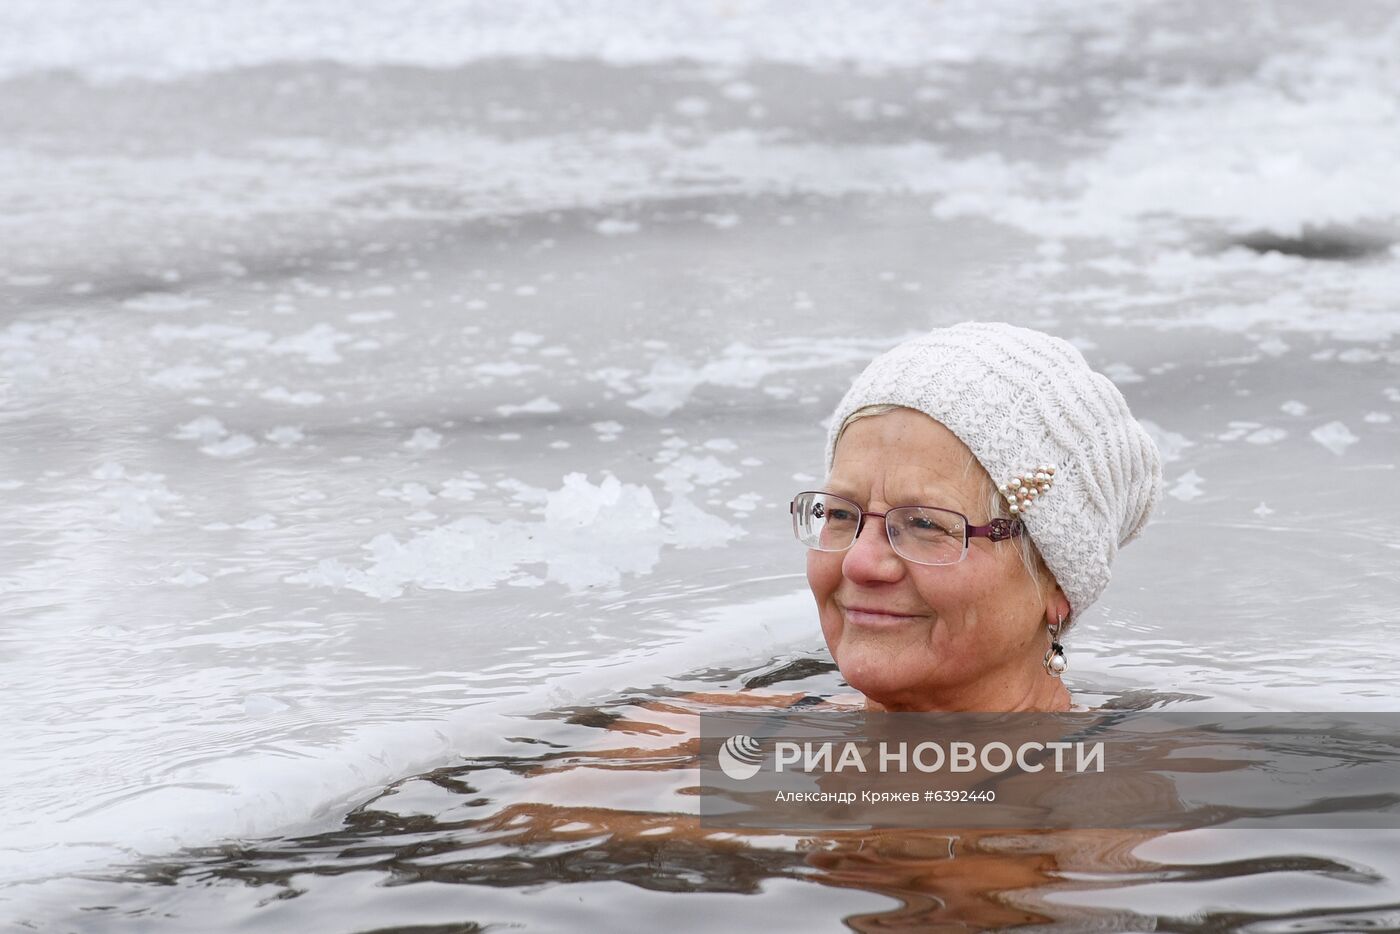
{"points": [[842, 515], [928, 526]]}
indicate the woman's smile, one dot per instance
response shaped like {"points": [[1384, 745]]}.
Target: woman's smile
{"points": [[872, 617]]}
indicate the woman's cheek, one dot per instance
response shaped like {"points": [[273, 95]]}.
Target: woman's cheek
{"points": [[823, 575]]}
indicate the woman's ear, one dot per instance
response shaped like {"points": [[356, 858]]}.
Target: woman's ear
{"points": [[1057, 609]]}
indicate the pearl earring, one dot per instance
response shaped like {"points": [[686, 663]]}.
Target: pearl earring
{"points": [[1055, 662]]}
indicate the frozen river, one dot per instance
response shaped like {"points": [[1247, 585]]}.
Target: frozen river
{"points": [[368, 383]]}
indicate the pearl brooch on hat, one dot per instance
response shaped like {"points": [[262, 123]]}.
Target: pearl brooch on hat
{"points": [[1023, 489]]}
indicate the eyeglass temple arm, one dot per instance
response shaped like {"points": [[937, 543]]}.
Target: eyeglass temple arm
{"points": [[997, 530]]}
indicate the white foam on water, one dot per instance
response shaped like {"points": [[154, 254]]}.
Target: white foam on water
{"points": [[254, 792]]}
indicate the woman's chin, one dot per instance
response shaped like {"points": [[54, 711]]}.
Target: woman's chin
{"points": [[877, 679]]}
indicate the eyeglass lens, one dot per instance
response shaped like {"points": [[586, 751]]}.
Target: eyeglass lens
{"points": [[921, 534]]}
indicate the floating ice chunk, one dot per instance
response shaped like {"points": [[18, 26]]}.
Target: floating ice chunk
{"points": [[205, 428], [231, 446], [133, 498], [590, 536], [285, 435], [1294, 407], [616, 378], [1266, 436], [11, 484], [462, 488], [1273, 347], [607, 431], [317, 344], [1187, 487], [184, 376], [414, 494], [1335, 437], [424, 439], [304, 397], [746, 502], [1376, 418], [369, 317], [614, 227], [522, 492], [692, 527], [505, 368], [1359, 355], [508, 436], [579, 504], [721, 444], [163, 303], [721, 221], [587, 535], [803, 477], [1121, 373], [1169, 443], [229, 336], [1263, 510], [1238, 430], [751, 462], [258, 523], [682, 475], [540, 405]]}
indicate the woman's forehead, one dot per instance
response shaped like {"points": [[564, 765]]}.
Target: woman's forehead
{"points": [[903, 437], [908, 459]]}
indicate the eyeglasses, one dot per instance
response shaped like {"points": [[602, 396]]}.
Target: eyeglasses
{"points": [[921, 534]]}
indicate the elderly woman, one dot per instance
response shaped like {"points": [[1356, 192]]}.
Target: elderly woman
{"points": [[981, 479]]}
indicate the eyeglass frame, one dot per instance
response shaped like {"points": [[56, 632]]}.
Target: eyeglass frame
{"points": [[997, 530]]}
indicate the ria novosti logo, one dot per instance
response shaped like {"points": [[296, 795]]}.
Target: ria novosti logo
{"points": [[741, 757]]}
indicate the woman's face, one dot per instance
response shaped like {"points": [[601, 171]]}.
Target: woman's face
{"points": [[965, 636]]}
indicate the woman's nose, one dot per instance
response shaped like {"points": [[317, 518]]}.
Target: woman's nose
{"points": [[871, 558]]}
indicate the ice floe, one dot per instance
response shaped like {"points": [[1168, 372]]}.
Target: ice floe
{"points": [[1335, 436], [584, 534]]}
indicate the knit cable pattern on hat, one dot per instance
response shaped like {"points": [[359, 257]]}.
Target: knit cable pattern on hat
{"points": [[1017, 398]]}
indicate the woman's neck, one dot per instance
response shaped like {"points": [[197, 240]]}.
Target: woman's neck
{"points": [[1045, 694]]}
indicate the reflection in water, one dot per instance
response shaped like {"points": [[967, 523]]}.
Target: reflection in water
{"points": [[608, 792]]}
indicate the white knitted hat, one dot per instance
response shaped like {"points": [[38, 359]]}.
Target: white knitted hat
{"points": [[1020, 398]]}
